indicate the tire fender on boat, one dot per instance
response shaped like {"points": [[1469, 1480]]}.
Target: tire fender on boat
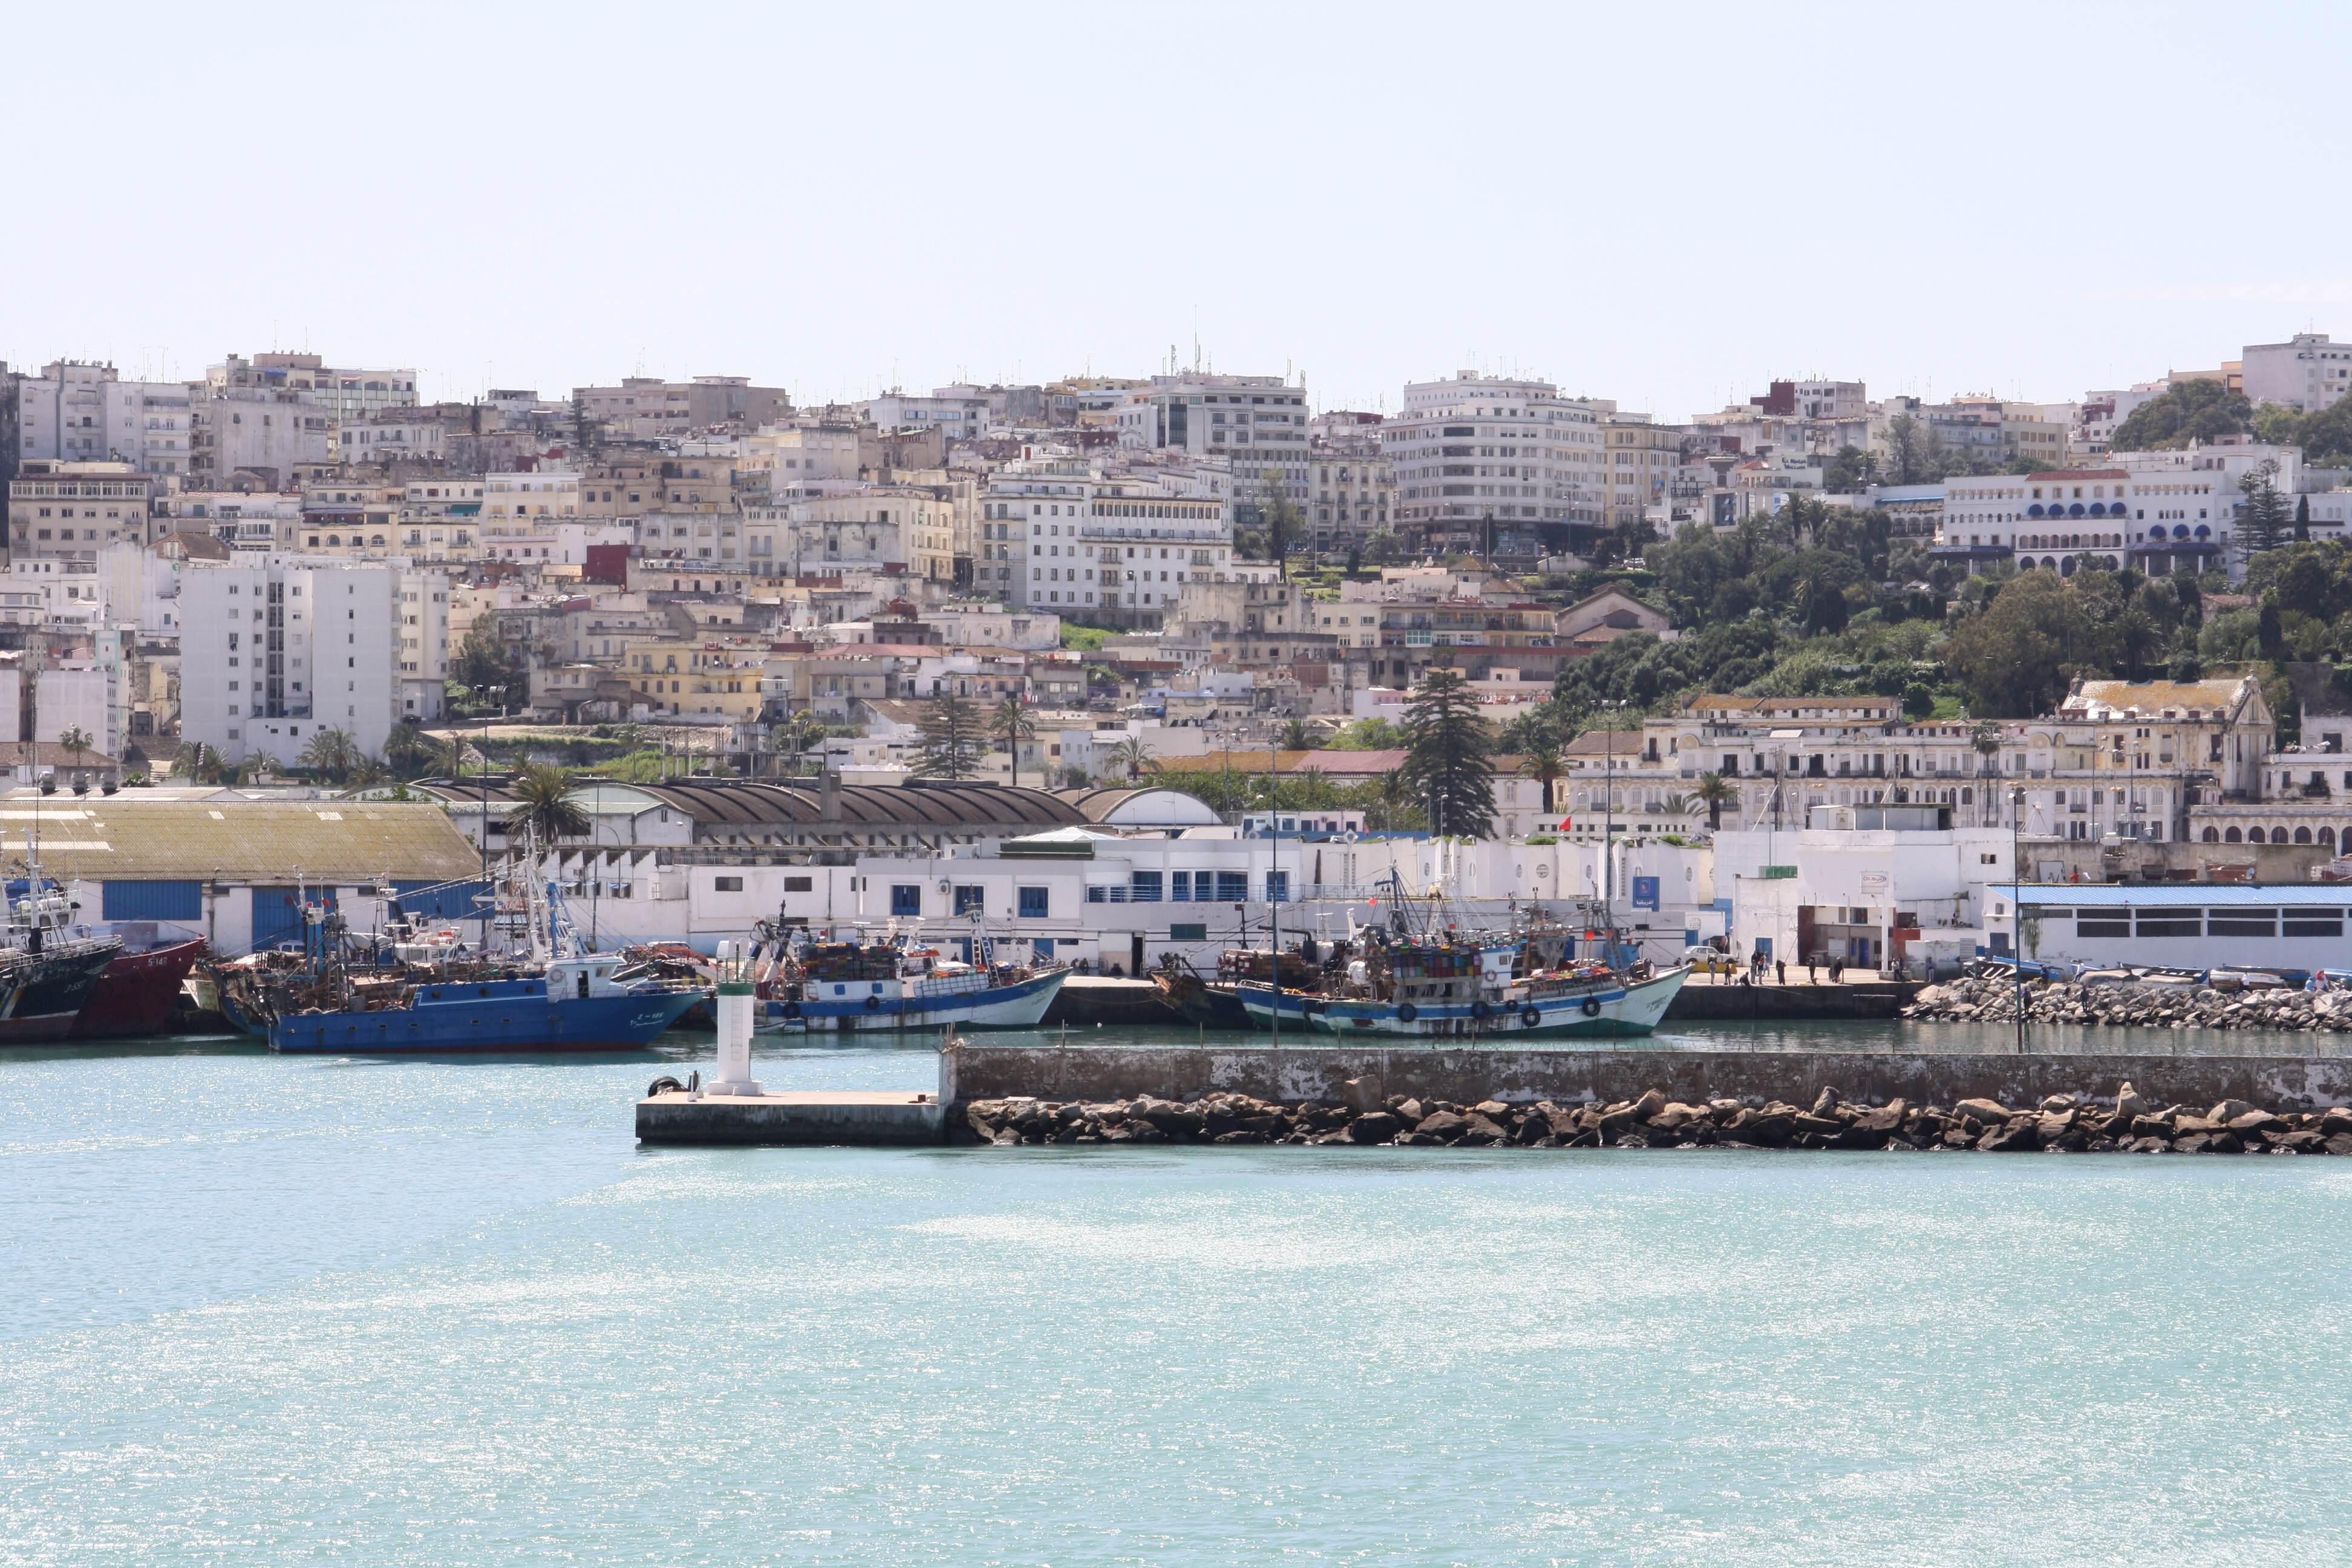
{"points": [[874, 1004], [1593, 1007], [791, 1009], [1531, 1016], [1480, 1010], [1407, 1012]]}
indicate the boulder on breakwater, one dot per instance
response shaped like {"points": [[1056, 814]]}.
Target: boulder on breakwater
{"points": [[2061, 1123], [1993, 999]]}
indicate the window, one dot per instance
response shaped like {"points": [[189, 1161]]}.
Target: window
{"points": [[1146, 887], [727, 884], [1278, 887], [2242, 922], [1032, 903], [1232, 887], [1180, 931], [906, 899], [2104, 923], [2167, 923], [800, 884], [2312, 922], [970, 899], [1180, 887]]}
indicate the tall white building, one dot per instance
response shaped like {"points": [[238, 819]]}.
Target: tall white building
{"points": [[1477, 446], [1059, 534], [78, 412], [274, 650], [1259, 424], [2306, 372]]}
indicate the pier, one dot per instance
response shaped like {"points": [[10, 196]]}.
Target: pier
{"points": [[802, 1117]]}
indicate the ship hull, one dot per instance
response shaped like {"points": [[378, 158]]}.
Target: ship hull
{"points": [[136, 991], [43, 1003], [1298, 1009], [853, 1005], [1197, 1001], [1606, 1010], [444, 1022]]}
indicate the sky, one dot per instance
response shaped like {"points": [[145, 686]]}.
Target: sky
{"points": [[1669, 205]]}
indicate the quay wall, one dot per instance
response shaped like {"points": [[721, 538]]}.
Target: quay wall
{"points": [[982, 1070]]}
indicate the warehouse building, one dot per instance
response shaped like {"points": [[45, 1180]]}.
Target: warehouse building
{"points": [[2293, 926]]}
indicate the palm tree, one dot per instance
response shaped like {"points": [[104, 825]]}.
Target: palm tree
{"points": [[1680, 805], [1129, 757], [1986, 738], [75, 742], [799, 732], [543, 805], [333, 752], [1540, 762], [260, 764], [1296, 737], [1717, 793], [1014, 721]]}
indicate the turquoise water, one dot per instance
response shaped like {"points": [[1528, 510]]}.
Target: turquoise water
{"points": [[279, 1311]]}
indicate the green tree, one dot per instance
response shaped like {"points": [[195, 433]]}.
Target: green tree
{"points": [[482, 660], [1282, 519], [2303, 520], [1014, 722], [2269, 636], [1913, 454], [1446, 763], [1849, 472], [1541, 760], [1296, 737], [543, 805], [1366, 735], [1716, 792], [2018, 655], [75, 745], [331, 752], [2188, 412], [1128, 757], [2265, 521], [952, 739]]}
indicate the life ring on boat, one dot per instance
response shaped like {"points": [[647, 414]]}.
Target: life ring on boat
{"points": [[791, 1009], [1532, 1016], [1407, 1012], [664, 1085], [874, 1004], [1593, 1007], [1480, 1010]]}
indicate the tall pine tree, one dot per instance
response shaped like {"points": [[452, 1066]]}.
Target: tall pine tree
{"points": [[1445, 760], [952, 739]]}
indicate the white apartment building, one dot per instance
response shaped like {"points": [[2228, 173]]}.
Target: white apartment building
{"points": [[307, 379], [1058, 534], [2161, 511], [1259, 424], [1354, 497], [863, 526], [78, 412], [647, 408], [959, 412], [275, 649], [1477, 446], [2306, 372], [69, 511]]}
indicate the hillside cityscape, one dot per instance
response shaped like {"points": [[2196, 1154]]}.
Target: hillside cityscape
{"points": [[1509, 615]]}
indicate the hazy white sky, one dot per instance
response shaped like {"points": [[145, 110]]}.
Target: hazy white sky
{"points": [[1667, 204]]}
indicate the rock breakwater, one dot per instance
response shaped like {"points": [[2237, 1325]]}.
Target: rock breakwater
{"points": [[2061, 1124], [1984, 999]]}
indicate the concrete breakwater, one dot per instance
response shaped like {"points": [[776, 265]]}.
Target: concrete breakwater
{"points": [[1994, 1000], [2061, 1124], [1093, 1073]]}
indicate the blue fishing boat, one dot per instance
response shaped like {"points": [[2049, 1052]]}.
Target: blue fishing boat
{"points": [[898, 982], [574, 1004], [414, 993]]}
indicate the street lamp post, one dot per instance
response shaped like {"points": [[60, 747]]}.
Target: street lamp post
{"points": [[2017, 910]]}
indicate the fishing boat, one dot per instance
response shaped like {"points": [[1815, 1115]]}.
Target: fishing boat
{"points": [[897, 982], [357, 994], [1431, 982], [52, 964], [1217, 1004], [138, 990]]}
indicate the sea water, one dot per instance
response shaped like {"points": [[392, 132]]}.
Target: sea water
{"points": [[263, 1310]]}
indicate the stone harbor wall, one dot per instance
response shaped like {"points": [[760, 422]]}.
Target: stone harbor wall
{"points": [[1467, 1075], [1993, 1000], [2065, 1123]]}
